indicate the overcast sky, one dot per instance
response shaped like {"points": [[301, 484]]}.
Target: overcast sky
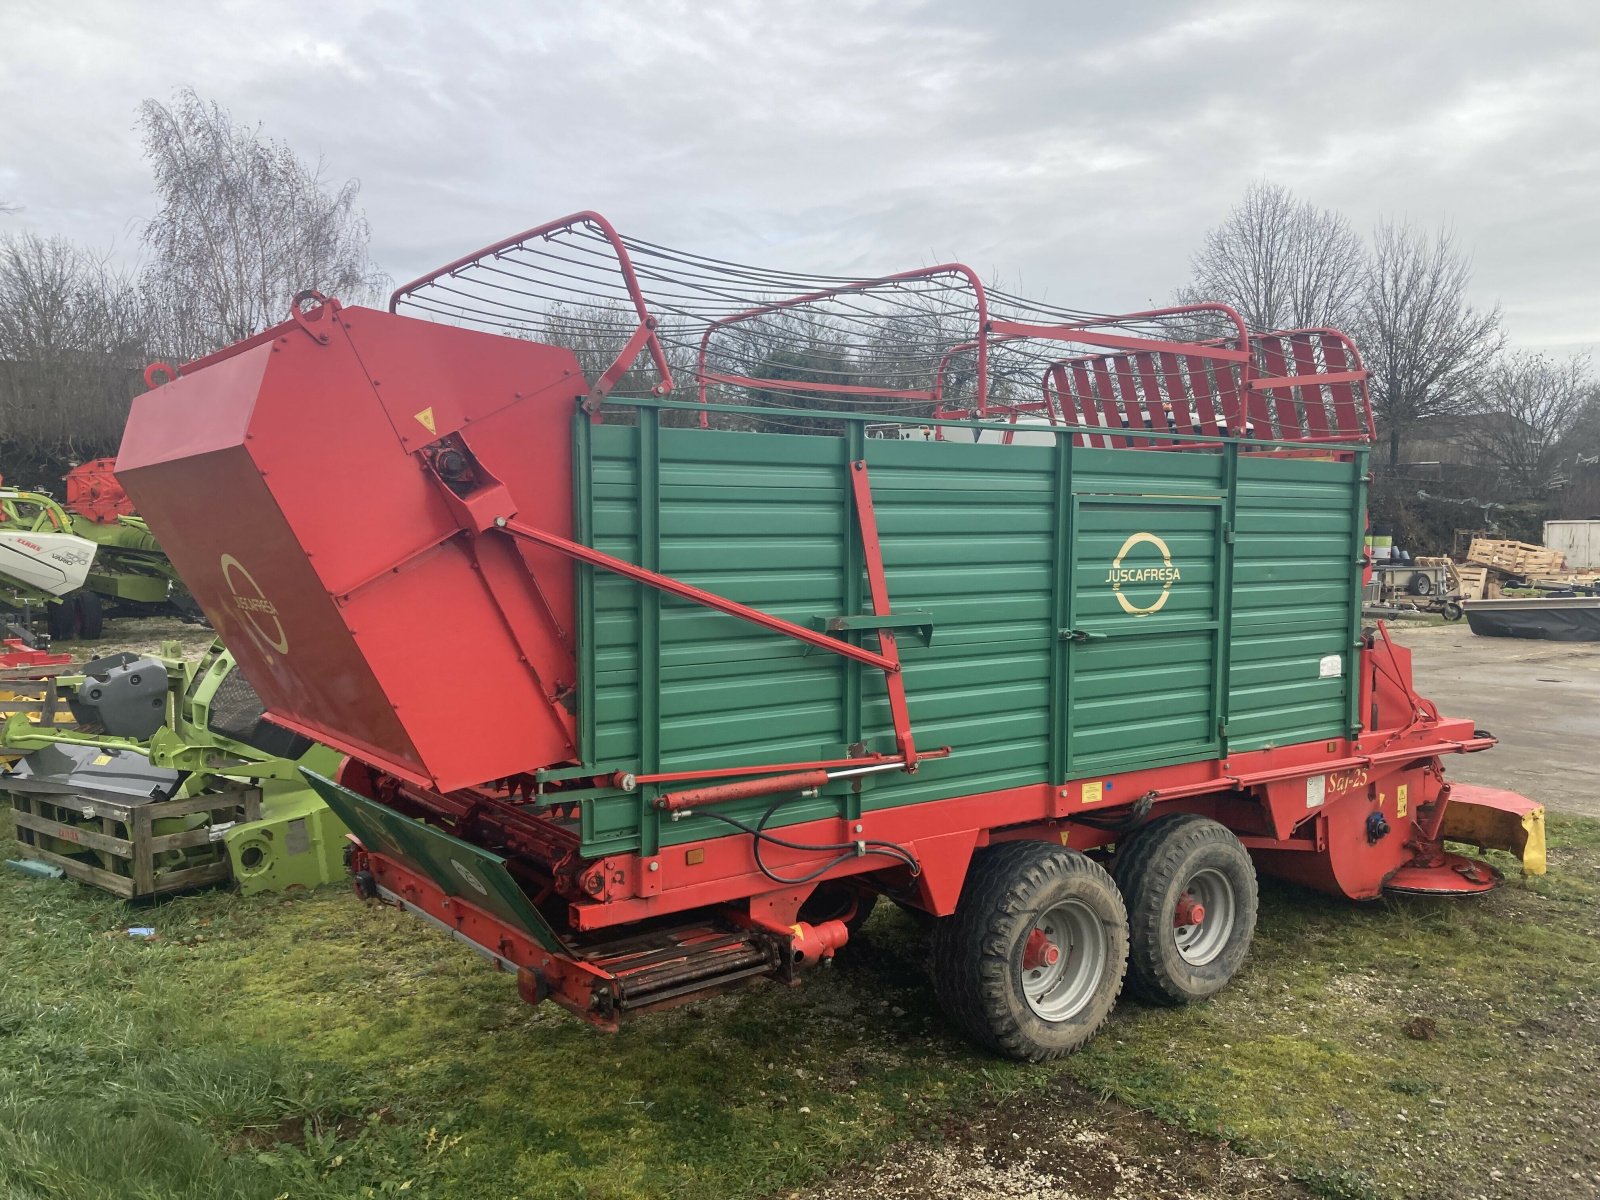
{"points": [[1077, 150]]}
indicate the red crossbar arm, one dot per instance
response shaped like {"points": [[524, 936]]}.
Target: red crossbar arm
{"points": [[677, 587], [878, 584]]}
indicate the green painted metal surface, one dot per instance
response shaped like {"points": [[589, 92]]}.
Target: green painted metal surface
{"points": [[1091, 610], [458, 868]]}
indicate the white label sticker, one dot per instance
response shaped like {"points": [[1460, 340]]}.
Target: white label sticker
{"points": [[1316, 790], [1331, 666], [214, 834]]}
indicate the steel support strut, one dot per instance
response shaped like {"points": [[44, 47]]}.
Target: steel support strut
{"points": [[696, 595], [878, 585]]}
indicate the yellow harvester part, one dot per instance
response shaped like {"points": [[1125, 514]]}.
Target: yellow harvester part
{"points": [[1492, 819]]}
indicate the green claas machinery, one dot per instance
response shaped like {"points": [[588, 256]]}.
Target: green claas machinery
{"points": [[771, 595], [170, 779], [84, 560]]}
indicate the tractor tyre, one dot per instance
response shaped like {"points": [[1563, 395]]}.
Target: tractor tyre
{"points": [[1190, 889], [91, 615], [62, 619], [838, 900], [1032, 960]]}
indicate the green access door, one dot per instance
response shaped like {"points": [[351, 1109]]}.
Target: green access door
{"points": [[1145, 617]]}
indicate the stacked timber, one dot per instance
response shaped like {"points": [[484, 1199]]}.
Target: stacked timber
{"points": [[1493, 564], [1515, 558]]}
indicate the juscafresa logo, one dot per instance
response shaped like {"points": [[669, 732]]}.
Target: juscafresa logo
{"points": [[1143, 575], [259, 614]]}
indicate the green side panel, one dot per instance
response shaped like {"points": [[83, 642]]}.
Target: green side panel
{"points": [[1146, 598], [1005, 547], [1290, 663], [459, 868]]}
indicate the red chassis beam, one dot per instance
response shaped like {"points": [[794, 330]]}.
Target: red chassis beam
{"points": [[942, 834], [1308, 814]]}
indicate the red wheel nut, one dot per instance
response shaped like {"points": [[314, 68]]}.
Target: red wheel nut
{"points": [[1039, 951], [1189, 911]]}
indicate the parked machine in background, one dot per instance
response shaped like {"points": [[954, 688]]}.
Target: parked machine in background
{"points": [[43, 563], [724, 669], [83, 561]]}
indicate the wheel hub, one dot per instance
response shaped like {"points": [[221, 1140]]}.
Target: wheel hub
{"points": [[1202, 918], [1063, 960], [1039, 951], [1189, 911]]}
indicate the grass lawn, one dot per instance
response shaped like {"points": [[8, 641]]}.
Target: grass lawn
{"points": [[310, 1046]]}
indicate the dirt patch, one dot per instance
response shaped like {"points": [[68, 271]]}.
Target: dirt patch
{"points": [[1065, 1144], [293, 1131]]}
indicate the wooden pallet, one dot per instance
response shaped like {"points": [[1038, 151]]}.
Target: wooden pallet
{"points": [[1515, 558], [1475, 582], [123, 837]]}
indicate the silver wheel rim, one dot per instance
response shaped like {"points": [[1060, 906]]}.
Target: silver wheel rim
{"points": [[1059, 990], [1201, 941]]}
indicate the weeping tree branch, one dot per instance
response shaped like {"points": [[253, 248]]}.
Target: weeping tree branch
{"points": [[244, 225]]}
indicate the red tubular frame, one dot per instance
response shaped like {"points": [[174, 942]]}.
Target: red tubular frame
{"points": [[1269, 404], [696, 595], [980, 343], [643, 337]]}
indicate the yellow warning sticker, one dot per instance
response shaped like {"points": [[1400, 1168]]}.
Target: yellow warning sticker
{"points": [[101, 760], [1065, 835], [1094, 792], [1400, 800], [426, 419]]}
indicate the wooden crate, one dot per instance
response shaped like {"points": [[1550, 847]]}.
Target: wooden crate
{"points": [[125, 834], [1474, 581], [1515, 558]]}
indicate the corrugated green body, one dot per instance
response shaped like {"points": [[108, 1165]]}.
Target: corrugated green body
{"points": [[1065, 644]]}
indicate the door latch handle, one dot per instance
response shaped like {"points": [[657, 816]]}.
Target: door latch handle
{"points": [[1082, 635]]}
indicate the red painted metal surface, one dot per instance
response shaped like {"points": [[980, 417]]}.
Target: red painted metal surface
{"points": [[644, 336], [696, 595], [94, 493], [1293, 385], [325, 583], [17, 657], [877, 583]]}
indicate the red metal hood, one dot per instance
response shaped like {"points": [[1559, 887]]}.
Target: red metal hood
{"points": [[286, 480]]}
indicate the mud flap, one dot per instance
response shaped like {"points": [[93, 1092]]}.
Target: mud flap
{"points": [[456, 867], [1492, 819]]}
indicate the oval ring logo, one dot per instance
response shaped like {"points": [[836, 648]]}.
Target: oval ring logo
{"points": [[259, 614], [1166, 574]]}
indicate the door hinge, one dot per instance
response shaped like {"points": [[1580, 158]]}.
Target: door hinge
{"points": [[1227, 533]]}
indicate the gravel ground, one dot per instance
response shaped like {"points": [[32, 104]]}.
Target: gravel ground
{"points": [[1064, 1145]]}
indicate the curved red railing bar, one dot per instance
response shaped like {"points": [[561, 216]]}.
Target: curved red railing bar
{"points": [[980, 295], [644, 337]]}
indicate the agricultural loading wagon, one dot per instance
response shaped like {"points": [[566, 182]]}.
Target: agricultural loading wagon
{"points": [[917, 590]]}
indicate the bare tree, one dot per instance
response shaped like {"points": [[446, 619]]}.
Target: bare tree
{"points": [[1283, 263], [244, 225], [72, 340], [1425, 345], [1527, 405]]}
